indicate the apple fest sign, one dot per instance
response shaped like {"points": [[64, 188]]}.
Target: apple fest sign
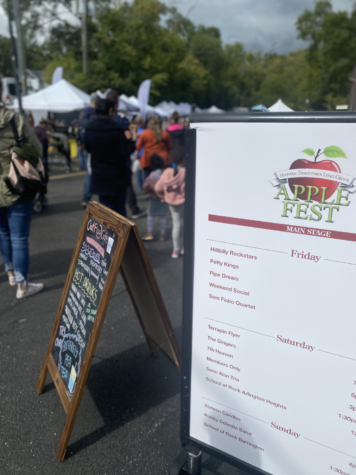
{"points": [[269, 383], [312, 183]]}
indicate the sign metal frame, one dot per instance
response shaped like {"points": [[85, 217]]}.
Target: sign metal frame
{"points": [[189, 246]]}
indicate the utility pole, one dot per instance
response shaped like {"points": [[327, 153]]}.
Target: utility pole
{"points": [[20, 49], [85, 36], [14, 58]]}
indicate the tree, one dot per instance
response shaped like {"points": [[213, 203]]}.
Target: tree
{"points": [[129, 44], [5, 57], [332, 50], [133, 41]]}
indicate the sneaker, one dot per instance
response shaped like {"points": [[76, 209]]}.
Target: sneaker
{"points": [[148, 237], [182, 252], [139, 214], [162, 237], [12, 280], [175, 255], [84, 204], [31, 290]]}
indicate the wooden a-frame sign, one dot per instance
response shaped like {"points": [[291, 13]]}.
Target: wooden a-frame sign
{"points": [[107, 244]]}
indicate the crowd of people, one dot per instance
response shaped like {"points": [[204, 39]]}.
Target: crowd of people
{"points": [[113, 146], [112, 150]]}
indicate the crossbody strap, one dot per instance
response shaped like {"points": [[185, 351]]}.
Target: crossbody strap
{"points": [[14, 128]]}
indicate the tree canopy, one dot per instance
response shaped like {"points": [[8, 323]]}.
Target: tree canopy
{"points": [[130, 42]]}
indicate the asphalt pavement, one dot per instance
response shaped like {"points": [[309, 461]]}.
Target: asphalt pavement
{"points": [[128, 420]]}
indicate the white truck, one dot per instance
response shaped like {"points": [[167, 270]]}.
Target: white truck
{"points": [[9, 87]]}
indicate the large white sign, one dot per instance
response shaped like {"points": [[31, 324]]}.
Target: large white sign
{"points": [[274, 325]]}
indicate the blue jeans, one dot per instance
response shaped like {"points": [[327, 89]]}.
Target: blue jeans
{"points": [[15, 222], [82, 155], [139, 180], [87, 194], [116, 203]]}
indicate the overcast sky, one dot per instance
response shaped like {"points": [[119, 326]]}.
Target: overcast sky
{"points": [[268, 25]]}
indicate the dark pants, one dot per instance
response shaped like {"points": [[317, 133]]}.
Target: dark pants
{"points": [[15, 222], [146, 171], [116, 203]]}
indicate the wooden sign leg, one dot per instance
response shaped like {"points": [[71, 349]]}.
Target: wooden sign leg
{"points": [[67, 429]]}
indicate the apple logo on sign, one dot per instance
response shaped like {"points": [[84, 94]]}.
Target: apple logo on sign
{"points": [[327, 165]]}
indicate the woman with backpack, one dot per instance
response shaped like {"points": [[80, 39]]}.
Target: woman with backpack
{"points": [[16, 211], [155, 140]]}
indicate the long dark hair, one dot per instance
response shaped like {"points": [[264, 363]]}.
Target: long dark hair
{"points": [[156, 162], [103, 106], [177, 156], [175, 117]]}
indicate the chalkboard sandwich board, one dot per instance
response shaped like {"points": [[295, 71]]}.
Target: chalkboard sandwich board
{"points": [[107, 244]]}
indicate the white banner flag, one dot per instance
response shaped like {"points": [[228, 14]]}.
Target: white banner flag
{"points": [[57, 75], [143, 96]]}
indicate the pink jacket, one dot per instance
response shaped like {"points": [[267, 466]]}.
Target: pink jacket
{"points": [[171, 189], [149, 184]]}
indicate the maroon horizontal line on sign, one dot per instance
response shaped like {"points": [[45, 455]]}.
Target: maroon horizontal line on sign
{"points": [[343, 453], [334, 354], [251, 247], [280, 227], [340, 262]]}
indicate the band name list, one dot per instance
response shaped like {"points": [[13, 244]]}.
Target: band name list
{"points": [[216, 276]]}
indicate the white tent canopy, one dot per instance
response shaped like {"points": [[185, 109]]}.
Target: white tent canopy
{"points": [[279, 106], [131, 104], [60, 97], [214, 110]]}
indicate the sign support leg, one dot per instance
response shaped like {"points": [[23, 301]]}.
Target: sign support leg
{"points": [[188, 462]]}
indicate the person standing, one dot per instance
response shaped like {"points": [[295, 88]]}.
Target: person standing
{"points": [[170, 188], [140, 123], [105, 140], [130, 132], [16, 212], [176, 131], [41, 134], [155, 140], [155, 206], [84, 118]]}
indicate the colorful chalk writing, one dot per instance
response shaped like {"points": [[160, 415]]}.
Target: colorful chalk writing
{"points": [[82, 301]]}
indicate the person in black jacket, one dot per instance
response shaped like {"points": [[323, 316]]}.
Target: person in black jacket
{"points": [[106, 141]]}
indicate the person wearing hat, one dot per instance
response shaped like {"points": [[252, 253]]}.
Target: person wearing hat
{"points": [[16, 212]]}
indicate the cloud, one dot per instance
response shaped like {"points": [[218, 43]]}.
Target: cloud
{"points": [[267, 25]]}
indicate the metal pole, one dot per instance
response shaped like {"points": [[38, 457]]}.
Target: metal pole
{"points": [[85, 36], [14, 58], [193, 464], [20, 50]]}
